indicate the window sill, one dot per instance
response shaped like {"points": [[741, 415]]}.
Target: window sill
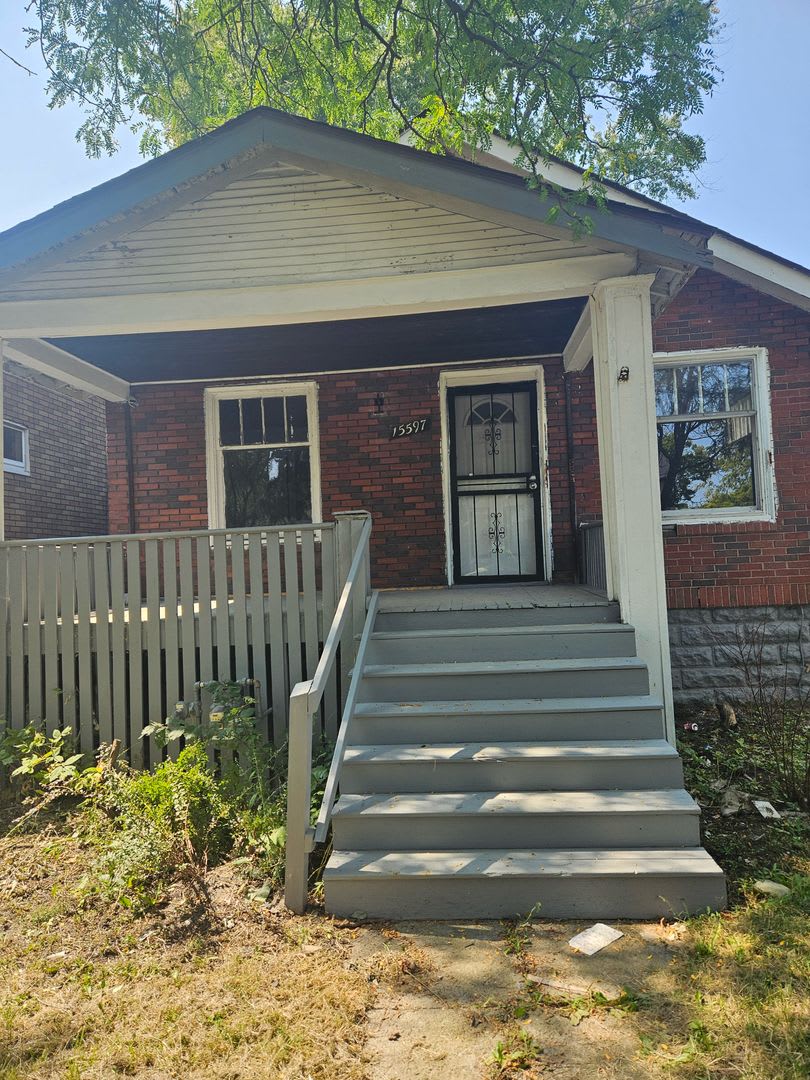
{"points": [[17, 470], [714, 517]]}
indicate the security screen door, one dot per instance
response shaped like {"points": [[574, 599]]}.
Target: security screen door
{"points": [[495, 482]]}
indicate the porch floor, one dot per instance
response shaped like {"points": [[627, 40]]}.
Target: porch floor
{"points": [[488, 597]]}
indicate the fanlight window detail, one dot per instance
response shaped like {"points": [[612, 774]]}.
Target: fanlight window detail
{"points": [[491, 411]]}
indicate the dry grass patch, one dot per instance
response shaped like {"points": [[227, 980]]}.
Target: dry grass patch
{"points": [[214, 985], [738, 1004]]}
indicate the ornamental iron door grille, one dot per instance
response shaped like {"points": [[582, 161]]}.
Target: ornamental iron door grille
{"points": [[494, 481]]}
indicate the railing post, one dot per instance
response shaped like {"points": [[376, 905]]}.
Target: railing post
{"points": [[299, 773], [349, 526]]}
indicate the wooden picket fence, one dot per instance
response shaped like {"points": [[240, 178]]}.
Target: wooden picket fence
{"points": [[107, 634]]}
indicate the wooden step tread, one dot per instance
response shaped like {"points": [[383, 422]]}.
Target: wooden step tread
{"points": [[544, 630], [503, 863], [527, 706], [516, 803], [503, 667], [451, 753]]}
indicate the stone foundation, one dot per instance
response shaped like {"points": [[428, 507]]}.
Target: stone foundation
{"points": [[706, 655]]}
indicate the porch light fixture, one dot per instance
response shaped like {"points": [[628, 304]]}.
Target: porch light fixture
{"points": [[379, 404], [624, 374]]}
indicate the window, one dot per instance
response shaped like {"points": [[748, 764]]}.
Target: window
{"points": [[262, 463], [714, 440], [15, 449]]}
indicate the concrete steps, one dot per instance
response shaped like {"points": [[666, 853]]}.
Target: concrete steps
{"points": [[501, 758]]}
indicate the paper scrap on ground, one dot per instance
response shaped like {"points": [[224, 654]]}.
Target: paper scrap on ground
{"points": [[766, 809], [596, 937]]}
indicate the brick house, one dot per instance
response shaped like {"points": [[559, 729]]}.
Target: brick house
{"points": [[55, 459], [288, 321]]}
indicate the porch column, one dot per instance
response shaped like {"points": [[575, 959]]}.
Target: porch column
{"points": [[628, 463]]}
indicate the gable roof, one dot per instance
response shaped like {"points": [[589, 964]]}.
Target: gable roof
{"points": [[149, 191]]}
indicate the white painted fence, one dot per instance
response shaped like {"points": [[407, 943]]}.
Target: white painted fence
{"points": [[106, 634]]}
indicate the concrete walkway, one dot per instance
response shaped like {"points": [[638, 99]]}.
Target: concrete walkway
{"points": [[462, 989]]}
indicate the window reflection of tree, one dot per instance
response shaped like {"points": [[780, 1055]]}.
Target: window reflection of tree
{"points": [[704, 463], [267, 487]]}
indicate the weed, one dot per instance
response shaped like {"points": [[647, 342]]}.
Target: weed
{"points": [[518, 932], [517, 1052]]}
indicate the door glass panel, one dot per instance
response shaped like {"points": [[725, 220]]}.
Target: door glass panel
{"points": [[493, 433], [527, 533]]}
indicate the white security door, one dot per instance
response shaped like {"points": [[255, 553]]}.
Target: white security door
{"points": [[495, 482]]}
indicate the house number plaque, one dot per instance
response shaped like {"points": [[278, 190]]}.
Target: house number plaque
{"points": [[410, 428]]}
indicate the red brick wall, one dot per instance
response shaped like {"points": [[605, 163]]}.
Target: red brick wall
{"points": [[168, 441], [66, 491], [762, 563], [399, 481]]}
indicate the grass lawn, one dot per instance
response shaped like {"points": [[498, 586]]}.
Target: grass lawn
{"points": [[212, 985]]}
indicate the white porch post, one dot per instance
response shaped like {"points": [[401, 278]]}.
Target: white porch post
{"points": [[628, 462]]}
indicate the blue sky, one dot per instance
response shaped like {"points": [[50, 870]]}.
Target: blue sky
{"points": [[754, 184]]}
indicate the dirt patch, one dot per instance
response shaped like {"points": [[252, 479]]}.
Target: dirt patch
{"points": [[492, 1002]]}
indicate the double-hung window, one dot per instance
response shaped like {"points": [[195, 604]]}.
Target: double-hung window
{"points": [[15, 449], [715, 461], [262, 456]]}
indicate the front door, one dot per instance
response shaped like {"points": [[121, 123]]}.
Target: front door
{"points": [[495, 482]]}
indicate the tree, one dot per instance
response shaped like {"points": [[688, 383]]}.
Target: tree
{"points": [[606, 84]]}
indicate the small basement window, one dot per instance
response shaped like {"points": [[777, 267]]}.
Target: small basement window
{"points": [[715, 460], [262, 462], [15, 449]]}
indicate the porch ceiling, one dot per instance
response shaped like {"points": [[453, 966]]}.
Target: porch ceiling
{"points": [[469, 335]]}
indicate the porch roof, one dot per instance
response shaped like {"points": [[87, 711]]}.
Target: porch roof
{"points": [[509, 331]]}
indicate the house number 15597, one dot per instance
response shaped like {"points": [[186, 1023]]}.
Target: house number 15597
{"points": [[412, 427]]}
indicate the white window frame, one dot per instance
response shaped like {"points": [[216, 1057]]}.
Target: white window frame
{"points": [[215, 470], [764, 474], [13, 465]]}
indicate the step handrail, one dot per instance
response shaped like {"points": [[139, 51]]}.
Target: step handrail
{"points": [[336, 767], [305, 701]]}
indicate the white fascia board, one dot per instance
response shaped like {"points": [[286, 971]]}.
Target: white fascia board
{"points": [[741, 263], [66, 368], [276, 305]]}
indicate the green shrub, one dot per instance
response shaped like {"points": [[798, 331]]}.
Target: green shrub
{"points": [[224, 795], [153, 827], [37, 761]]}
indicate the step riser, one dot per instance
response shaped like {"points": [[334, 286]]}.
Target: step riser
{"points": [[566, 831], [634, 775], [563, 898], [445, 686], [436, 648], [477, 727], [487, 617]]}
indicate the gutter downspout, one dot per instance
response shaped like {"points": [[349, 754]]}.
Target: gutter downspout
{"points": [[129, 405]]}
